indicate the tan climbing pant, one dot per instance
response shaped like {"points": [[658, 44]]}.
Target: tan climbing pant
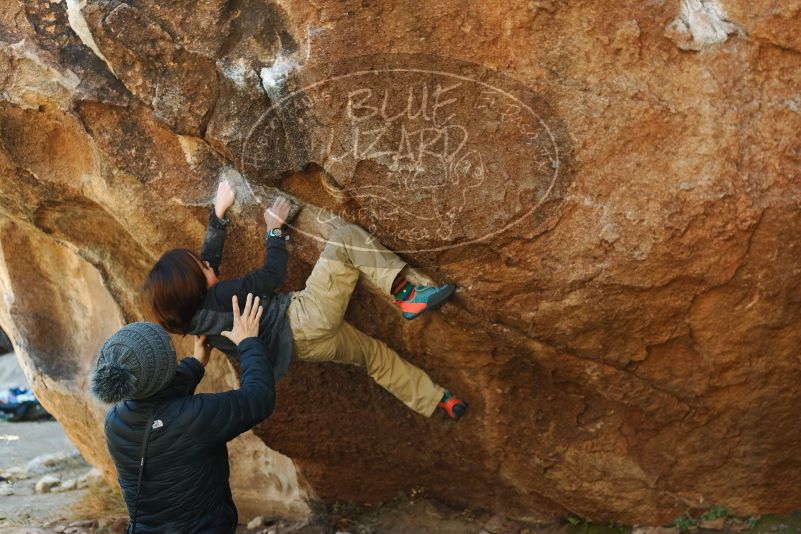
{"points": [[322, 335]]}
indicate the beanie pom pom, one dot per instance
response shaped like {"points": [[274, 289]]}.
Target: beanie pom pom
{"points": [[113, 383]]}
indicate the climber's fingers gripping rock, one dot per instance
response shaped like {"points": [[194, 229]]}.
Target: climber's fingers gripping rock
{"points": [[276, 215], [224, 198]]}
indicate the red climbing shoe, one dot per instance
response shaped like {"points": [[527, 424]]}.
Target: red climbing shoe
{"points": [[452, 406]]}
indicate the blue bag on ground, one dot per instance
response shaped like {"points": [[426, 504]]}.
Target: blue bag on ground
{"points": [[20, 404]]}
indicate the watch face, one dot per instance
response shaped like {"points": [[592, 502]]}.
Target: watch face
{"points": [[276, 232]]}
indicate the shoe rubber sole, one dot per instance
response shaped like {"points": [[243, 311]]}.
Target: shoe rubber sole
{"points": [[459, 410]]}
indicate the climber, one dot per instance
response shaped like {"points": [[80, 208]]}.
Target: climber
{"points": [[168, 445], [183, 294]]}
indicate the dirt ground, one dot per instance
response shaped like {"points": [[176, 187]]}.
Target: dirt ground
{"points": [[19, 444], [32, 450]]}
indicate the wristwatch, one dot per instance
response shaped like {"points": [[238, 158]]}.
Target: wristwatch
{"points": [[275, 232]]}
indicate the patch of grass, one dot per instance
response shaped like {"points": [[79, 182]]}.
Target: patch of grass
{"points": [[685, 521], [100, 500], [714, 512]]}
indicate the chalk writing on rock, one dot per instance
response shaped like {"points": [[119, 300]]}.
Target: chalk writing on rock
{"points": [[430, 154]]}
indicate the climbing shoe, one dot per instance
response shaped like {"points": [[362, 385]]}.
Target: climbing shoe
{"points": [[414, 300], [452, 406]]}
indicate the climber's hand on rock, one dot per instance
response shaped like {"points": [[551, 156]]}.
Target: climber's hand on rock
{"points": [[276, 215], [224, 199], [247, 324], [202, 350]]}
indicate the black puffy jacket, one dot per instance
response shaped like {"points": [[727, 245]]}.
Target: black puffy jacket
{"points": [[185, 488]]}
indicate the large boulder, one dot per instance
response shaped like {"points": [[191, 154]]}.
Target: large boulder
{"points": [[613, 187]]}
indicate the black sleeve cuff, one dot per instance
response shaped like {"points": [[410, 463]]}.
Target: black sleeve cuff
{"points": [[275, 242], [254, 342], [216, 222]]}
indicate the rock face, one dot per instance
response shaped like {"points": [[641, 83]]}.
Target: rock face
{"points": [[613, 186], [5, 343]]}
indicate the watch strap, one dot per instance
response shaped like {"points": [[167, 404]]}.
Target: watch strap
{"points": [[280, 234]]}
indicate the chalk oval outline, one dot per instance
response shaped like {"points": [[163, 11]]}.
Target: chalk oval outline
{"points": [[293, 94]]}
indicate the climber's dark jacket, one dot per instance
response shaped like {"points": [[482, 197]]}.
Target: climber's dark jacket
{"points": [[185, 488], [214, 315]]}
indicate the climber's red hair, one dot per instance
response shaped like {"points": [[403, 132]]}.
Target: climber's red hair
{"points": [[174, 290]]}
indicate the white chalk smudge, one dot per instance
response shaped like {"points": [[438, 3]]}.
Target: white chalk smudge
{"points": [[247, 194], [701, 23], [242, 189], [239, 72], [273, 76]]}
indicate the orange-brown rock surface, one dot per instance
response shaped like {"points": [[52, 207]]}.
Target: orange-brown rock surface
{"points": [[614, 187]]}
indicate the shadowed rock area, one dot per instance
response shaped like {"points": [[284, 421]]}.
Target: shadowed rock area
{"points": [[613, 186]]}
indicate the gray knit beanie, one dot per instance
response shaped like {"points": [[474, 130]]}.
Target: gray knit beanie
{"points": [[134, 363]]}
